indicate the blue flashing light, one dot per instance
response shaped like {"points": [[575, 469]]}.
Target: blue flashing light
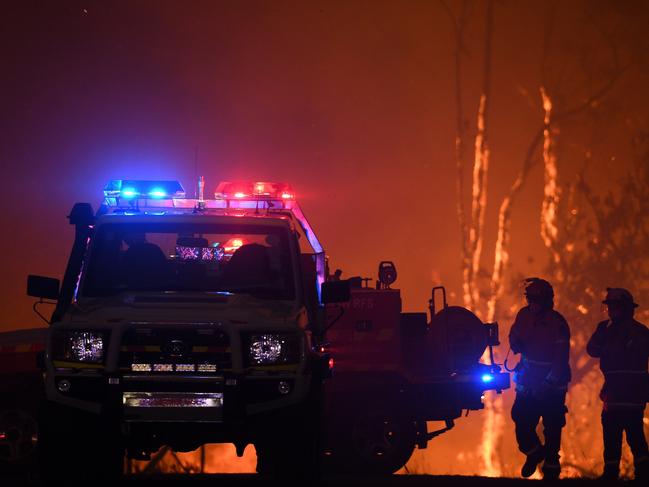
{"points": [[130, 189], [157, 193], [487, 378], [128, 193]]}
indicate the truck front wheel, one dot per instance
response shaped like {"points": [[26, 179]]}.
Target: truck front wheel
{"points": [[378, 442], [76, 446]]}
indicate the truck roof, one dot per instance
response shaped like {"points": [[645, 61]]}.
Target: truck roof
{"points": [[258, 201], [147, 215]]}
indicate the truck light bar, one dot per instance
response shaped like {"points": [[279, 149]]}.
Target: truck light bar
{"points": [[130, 189], [261, 190], [172, 399]]}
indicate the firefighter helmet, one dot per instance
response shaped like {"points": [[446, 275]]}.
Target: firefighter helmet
{"points": [[621, 296], [539, 290]]}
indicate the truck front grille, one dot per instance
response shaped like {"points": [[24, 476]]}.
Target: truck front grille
{"points": [[175, 348]]}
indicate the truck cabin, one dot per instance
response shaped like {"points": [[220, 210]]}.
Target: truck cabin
{"points": [[250, 238]]}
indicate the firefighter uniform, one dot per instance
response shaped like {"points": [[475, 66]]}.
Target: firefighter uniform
{"points": [[542, 336], [622, 345]]}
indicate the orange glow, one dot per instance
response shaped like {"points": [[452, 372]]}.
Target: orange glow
{"points": [[479, 204], [551, 190]]}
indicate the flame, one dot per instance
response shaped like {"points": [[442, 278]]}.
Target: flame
{"points": [[479, 199], [213, 458], [551, 190]]}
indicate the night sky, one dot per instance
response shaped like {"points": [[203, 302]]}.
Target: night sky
{"points": [[351, 102]]}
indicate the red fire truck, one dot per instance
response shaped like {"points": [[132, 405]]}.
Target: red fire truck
{"points": [[21, 388], [183, 321], [395, 372]]}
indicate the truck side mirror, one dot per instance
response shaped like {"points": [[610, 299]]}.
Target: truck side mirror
{"points": [[43, 287], [336, 292], [81, 214]]}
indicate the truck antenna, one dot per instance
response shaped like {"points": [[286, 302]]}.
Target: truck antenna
{"points": [[195, 169]]}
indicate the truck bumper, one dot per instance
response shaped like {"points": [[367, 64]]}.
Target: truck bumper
{"points": [[182, 412], [216, 399]]}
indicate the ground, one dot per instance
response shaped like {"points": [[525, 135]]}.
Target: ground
{"points": [[394, 480]]}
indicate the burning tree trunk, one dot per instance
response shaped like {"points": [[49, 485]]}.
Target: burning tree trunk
{"points": [[459, 27], [551, 191]]}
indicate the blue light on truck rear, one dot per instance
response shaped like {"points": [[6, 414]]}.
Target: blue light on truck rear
{"points": [[135, 188], [128, 193]]}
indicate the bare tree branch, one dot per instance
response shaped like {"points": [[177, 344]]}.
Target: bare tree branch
{"points": [[480, 166], [459, 26]]}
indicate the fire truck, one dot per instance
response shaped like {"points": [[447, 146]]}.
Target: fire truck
{"points": [[183, 321], [21, 388]]}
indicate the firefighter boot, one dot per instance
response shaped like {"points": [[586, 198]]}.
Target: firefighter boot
{"points": [[551, 471], [642, 472], [532, 461], [611, 473]]}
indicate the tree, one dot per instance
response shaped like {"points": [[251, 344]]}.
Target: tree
{"points": [[603, 237], [577, 99]]}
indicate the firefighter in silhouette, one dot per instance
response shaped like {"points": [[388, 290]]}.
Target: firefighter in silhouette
{"points": [[542, 336], [622, 345]]}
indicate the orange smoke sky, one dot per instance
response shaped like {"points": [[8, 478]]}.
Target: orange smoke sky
{"points": [[351, 102]]}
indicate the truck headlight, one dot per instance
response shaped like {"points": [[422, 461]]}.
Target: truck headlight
{"points": [[79, 346], [268, 349]]}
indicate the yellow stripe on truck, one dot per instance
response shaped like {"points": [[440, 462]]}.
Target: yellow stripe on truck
{"points": [[275, 367], [60, 364]]}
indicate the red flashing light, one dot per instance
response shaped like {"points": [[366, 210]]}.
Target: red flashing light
{"points": [[254, 190], [233, 245], [331, 363]]}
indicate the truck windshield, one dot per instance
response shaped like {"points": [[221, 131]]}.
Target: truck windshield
{"points": [[199, 257]]}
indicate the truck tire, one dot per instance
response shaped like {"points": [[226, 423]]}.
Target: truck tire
{"points": [[77, 447], [19, 399], [378, 442], [18, 437], [291, 449]]}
